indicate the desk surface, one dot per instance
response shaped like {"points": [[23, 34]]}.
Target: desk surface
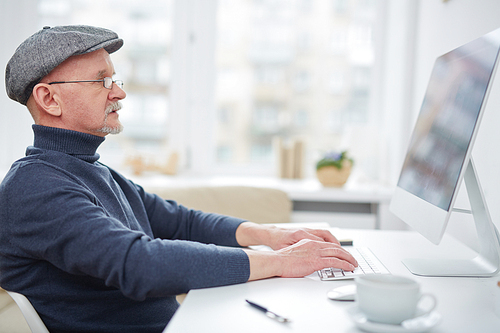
{"points": [[466, 304]]}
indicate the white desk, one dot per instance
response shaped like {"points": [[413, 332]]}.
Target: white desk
{"points": [[466, 304]]}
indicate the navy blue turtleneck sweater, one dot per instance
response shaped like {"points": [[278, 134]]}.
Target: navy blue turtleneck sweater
{"points": [[93, 251]]}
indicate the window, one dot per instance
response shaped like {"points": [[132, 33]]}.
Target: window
{"points": [[220, 81], [299, 70]]}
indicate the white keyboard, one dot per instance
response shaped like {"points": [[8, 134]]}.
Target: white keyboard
{"points": [[368, 263]]}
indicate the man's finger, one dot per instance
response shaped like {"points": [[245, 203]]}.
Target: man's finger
{"points": [[338, 263], [338, 252], [325, 235]]}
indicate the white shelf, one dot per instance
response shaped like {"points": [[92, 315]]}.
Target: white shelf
{"points": [[297, 189], [339, 220], [354, 206]]}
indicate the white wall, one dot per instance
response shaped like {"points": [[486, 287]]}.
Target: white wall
{"points": [[441, 27], [398, 66], [15, 120]]}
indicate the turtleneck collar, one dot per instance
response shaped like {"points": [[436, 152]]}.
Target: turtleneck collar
{"points": [[77, 144]]}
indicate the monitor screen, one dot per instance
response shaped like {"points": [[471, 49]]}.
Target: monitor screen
{"points": [[446, 123]]}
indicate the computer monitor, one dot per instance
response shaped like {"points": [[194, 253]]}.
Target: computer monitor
{"points": [[439, 159]]}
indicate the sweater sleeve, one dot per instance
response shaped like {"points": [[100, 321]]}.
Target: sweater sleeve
{"points": [[49, 216]]}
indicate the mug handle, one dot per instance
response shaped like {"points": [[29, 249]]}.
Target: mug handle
{"points": [[421, 311]]}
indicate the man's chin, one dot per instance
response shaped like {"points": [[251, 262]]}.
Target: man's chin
{"points": [[111, 129]]}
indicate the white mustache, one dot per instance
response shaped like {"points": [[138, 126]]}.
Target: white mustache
{"points": [[115, 106]]}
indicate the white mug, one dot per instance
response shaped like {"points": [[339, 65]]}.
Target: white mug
{"points": [[390, 299]]}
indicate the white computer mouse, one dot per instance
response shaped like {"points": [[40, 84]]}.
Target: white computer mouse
{"points": [[343, 293]]}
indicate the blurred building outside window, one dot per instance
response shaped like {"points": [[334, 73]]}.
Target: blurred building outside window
{"points": [[298, 70]]}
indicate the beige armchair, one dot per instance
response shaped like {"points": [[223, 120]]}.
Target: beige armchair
{"points": [[256, 204]]}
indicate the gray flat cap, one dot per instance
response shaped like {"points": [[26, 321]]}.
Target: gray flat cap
{"points": [[38, 55]]}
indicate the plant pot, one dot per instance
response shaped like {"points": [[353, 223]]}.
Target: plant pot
{"points": [[333, 176]]}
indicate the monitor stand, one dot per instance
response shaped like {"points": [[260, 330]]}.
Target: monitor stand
{"points": [[487, 263]]}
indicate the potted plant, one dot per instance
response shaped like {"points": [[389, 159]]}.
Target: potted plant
{"points": [[334, 169]]}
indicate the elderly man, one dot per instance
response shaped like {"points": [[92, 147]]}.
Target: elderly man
{"points": [[93, 251]]}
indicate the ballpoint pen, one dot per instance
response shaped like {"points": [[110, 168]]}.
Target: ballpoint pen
{"points": [[268, 313]]}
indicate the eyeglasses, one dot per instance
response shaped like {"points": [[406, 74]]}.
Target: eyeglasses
{"points": [[107, 82]]}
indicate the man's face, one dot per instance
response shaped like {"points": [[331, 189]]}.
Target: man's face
{"points": [[88, 107]]}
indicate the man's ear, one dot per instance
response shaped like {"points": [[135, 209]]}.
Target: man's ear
{"points": [[47, 99]]}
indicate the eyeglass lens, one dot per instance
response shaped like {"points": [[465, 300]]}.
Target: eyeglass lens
{"points": [[108, 83]]}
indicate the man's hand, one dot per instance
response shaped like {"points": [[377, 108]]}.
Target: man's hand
{"points": [[280, 238], [298, 260], [298, 252], [249, 233]]}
